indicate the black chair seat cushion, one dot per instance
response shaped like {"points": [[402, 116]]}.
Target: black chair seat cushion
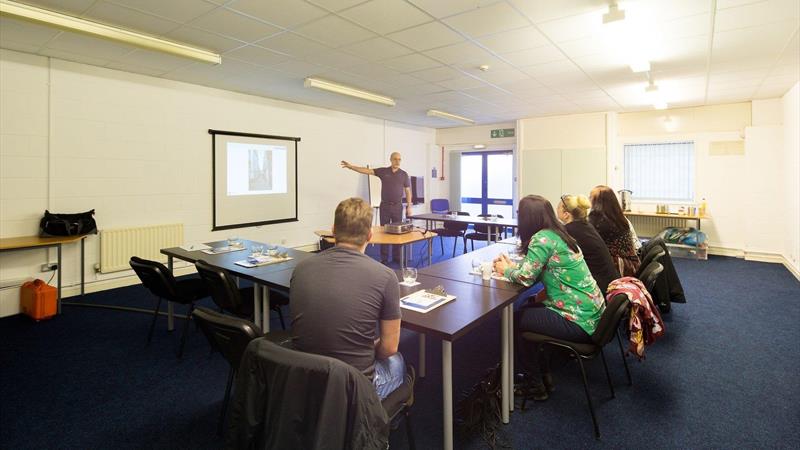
{"points": [[191, 289], [448, 232], [401, 397], [478, 236], [583, 349]]}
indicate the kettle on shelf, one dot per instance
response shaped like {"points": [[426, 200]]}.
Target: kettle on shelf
{"points": [[625, 199]]}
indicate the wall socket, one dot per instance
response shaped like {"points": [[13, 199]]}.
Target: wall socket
{"points": [[49, 267]]}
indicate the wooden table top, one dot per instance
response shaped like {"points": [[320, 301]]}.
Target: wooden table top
{"points": [[381, 237], [666, 216], [36, 241], [503, 222]]}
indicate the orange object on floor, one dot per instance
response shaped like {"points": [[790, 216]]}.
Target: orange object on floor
{"points": [[39, 300]]}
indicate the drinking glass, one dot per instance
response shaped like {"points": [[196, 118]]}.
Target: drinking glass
{"points": [[476, 265], [272, 250], [257, 250], [409, 275], [233, 241]]}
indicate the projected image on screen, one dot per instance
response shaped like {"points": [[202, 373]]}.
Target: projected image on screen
{"points": [[254, 179], [255, 169]]}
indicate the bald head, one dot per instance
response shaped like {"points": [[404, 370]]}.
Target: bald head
{"points": [[395, 159]]}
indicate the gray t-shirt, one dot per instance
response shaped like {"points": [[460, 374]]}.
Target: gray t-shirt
{"points": [[337, 298], [392, 184]]}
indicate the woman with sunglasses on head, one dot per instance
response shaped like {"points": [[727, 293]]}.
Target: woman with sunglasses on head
{"points": [[573, 211], [573, 304], [614, 228]]}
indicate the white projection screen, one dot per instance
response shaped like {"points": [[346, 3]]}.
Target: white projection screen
{"points": [[255, 179]]}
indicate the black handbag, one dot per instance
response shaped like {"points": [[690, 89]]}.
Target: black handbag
{"points": [[67, 224]]}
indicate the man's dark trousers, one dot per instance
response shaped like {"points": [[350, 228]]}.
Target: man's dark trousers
{"points": [[391, 212]]}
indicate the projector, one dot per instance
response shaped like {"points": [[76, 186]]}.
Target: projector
{"points": [[398, 228]]}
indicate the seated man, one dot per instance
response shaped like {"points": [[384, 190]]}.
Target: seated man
{"points": [[338, 296]]}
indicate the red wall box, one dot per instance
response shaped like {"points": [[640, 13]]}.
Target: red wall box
{"points": [[38, 299]]}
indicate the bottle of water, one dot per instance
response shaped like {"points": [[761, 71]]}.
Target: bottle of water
{"points": [[703, 207]]}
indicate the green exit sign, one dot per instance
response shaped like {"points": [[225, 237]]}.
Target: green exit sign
{"points": [[503, 132]]}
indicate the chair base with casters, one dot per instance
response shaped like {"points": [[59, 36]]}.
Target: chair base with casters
{"points": [[606, 330], [160, 281]]}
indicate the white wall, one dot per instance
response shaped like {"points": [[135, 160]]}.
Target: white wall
{"points": [[75, 137], [788, 202]]}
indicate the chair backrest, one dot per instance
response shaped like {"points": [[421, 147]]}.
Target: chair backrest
{"points": [[484, 228], [651, 244], [440, 205], [223, 289], [654, 254], [457, 226], [226, 334], [155, 277], [650, 275], [615, 310]]}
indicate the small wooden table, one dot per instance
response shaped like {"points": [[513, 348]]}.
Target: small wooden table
{"points": [[695, 217], [29, 242], [381, 237]]}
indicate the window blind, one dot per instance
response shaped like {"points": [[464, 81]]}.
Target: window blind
{"points": [[660, 171]]}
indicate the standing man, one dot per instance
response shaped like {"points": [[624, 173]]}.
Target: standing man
{"points": [[394, 182], [339, 296]]}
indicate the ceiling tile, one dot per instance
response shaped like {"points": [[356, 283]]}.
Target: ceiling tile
{"points": [[334, 31], [427, 36], [437, 74], [697, 25], [120, 16], [411, 63], [336, 5], [237, 26], [283, 13], [491, 19], [377, 49], [462, 83], [334, 58], [81, 44], [159, 61], [763, 41], [297, 68], [573, 27], [370, 70], [445, 8], [203, 39], [534, 56], [544, 10], [463, 52], [722, 4], [501, 76], [292, 44], [412, 91], [256, 55], [386, 16], [552, 68], [25, 32], [756, 14], [180, 11], [514, 40], [71, 7]]}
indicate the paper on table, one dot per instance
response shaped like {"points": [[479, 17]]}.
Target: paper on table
{"points": [[261, 261], [412, 284], [220, 250], [194, 247], [423, 301]]}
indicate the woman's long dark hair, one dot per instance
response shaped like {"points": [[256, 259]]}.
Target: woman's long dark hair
{"points": [[536, 214], [605, 207]]}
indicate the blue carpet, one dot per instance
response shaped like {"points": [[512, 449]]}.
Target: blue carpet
{"points": [[722, 376]]}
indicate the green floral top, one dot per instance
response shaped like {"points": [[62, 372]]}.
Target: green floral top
{"points": [[571, 290]]}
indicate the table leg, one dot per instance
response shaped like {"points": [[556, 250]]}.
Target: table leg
{"points": [[265, 309], [504, 364], [430, 251], [421, 362], [58, 247], [170, 306], [83, 272], [511, 357], [402, 256], [257, 305], [447, 393]]}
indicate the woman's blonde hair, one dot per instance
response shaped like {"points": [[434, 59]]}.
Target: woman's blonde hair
{"points": [[576, 205]]}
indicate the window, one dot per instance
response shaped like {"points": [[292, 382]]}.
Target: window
{"points": [[660, 171]]}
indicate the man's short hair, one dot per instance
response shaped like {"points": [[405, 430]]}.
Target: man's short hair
{"points": [[352, 221]]}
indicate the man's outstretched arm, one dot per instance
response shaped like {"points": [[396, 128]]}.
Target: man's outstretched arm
{"points": [[364, 170]]}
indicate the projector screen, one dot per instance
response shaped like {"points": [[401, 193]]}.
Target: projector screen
{"points": [[255, 179]]}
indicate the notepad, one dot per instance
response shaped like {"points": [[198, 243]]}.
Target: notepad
{"points": [[194, 247], [423, 301], [220, 250], [257, 261]]}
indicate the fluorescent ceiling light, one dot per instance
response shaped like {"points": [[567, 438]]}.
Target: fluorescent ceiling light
{"points": [[347, 90], [640, 66], [479, 146], [614, 14], [70, 23], [447, 115]]}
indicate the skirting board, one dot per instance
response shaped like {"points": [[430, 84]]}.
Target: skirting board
{"points": [[756, 256]]}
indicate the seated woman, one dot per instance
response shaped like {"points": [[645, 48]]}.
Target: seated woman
{"points": [[573, 303], [614, 228], [573, 211]]}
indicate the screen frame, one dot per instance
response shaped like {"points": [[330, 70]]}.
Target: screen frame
{"points": [[214, 226]]}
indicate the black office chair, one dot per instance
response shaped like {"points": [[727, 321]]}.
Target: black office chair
{"points": [[160, 281], [654, 254], [615, 311], [650, 274], [455, 230], [229, 336], [651, 244], [228, 297], [280, 383], [481, 232]]}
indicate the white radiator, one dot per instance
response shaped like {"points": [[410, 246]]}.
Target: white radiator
{"points": [[651, 226], [117, 246]]}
